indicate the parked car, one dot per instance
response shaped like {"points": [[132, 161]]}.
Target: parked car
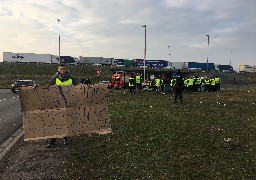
{"points": [[22, 83]]}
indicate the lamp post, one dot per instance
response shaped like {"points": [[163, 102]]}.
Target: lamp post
{"points": [[230, 58], [59, 39], [145, 54], [208, 49], [169, 54]]}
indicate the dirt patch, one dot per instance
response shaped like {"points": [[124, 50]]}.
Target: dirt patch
{"points": [[32, 160]]}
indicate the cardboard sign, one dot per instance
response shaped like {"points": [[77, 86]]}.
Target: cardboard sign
{"points": [[61, 111]]}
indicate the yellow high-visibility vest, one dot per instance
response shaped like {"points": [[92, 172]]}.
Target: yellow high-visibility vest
{"points": [[131, 79], [217, 80], [64, 83], [213, 82], [137, 79], [207, 82], [158, 82]]}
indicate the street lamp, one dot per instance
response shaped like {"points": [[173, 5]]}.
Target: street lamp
{"points": [[169, 52], [145, 54], [59, 39], [230, 58], [208, 49]]}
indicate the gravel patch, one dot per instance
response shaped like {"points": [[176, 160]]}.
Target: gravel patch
{"points": [[32, 160]]}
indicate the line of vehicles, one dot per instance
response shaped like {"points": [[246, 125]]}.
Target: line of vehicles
{"points": [[101, 61]]}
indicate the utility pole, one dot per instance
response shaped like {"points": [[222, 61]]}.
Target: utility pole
{"points": [[59, 40], [169, 54], [145, 54], [208, 51]]}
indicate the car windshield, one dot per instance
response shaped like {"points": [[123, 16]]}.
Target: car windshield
{"points": [[24, 82]]}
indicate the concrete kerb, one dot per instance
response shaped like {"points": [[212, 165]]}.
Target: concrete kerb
{"points": [[9, 142]]}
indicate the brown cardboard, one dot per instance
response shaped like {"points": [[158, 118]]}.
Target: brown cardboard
{"points": [[29, 99], [64, 111], [91, 95], [46, 97]]}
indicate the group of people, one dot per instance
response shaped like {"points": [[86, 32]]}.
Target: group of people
{"points": [[176, 84], [158, 85], [135, 83], [199, 84], [192, 84]]}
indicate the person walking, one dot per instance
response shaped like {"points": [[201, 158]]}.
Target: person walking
{"points": [[217, 83], [166, 85], [61, 78], [138, 80], [132, 84], [178, 86], [158, 84]]}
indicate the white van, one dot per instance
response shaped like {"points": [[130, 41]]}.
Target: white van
{"points": [[96, 64]]}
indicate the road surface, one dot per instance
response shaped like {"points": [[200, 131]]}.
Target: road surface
{"points": [[10, 113]]}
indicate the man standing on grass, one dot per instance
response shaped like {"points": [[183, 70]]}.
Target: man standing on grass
{"points": [[61, 78], [132, 84], [178, 86], [138, 80]]}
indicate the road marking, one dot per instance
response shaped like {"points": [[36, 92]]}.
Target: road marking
{"points": [[8, 147]]}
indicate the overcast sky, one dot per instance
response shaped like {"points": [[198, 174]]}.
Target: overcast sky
{"points": [[113, 28]]}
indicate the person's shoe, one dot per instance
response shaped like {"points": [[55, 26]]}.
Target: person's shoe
{"points": [[65, 141], [50, 145]]}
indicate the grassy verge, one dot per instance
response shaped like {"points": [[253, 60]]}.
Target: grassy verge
{"points": [[156, 139], [42, 73]]}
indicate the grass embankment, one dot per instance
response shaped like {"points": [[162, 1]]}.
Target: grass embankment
{"points": [[42, 73], [209, 136]]}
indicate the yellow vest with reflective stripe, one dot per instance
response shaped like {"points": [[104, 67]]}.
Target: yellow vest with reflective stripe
{"points": [[158, 82], [207, 82], [60, 83], [213, 82], [217, 80], [137, 79], [131, 79]]}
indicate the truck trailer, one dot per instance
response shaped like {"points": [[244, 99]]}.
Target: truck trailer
{"points": [[29, 58], [95, 60]]}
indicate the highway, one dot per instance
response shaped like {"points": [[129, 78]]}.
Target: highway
{"points": [[10, 113]]}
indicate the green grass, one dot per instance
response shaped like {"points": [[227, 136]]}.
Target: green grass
{"points": [[165, 141], [42, 73], [172, 141]]}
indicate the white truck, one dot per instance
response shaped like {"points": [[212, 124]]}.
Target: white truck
{"points": [[95, 60], [29, 58]]}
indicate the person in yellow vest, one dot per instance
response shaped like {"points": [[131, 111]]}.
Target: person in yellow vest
{"points": [[158, 84], [217, 83], [61, 78], [173, 80], [213, 85], [185, 82], [190, 84], [207, 84], [138, 81], [132, 84], [198, 84]]}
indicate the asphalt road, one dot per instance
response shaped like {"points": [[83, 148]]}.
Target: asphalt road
{"points": [[10, 113]]}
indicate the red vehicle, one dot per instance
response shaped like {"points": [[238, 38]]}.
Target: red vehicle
{"points": [[119, 81]]}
